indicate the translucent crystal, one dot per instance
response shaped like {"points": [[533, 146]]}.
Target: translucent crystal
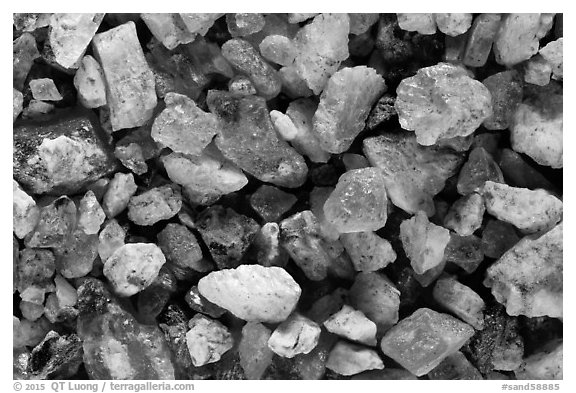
{"points": [[248, 139], [480, 39], [518, 37], [28, 333], [537, 71], [205, 177], [255, 356], [442, 102], [31, 311], [200, 304], [497, 238], [360, 23], [37, 110], [121, 188], [305, 141], [207, 340], [506, 91], [353, 161], [455, 367], [252, 292], [300, 236], [359, 201], [35, 271], [30, 22], [44, 89], [537, 128], [527, 279], [17, 102], [24, 53], [55, 224], [519, 173], [344, 106], [240, 25], [386, 374], [376, 296], [466, 214], [241, 85], [460, 300], [297, 18], [423, 242], [168, 28], [271, 203], [182, 251], [546, 364], [349, 359], [530, 211], [464, 251], [278, 49], [76, 256], [90, 214], [133, 267], [183, 127], [421, 341], [267, 245], [227, 234], [296, 335], [553, 54], [292, 83], [198, 22], [60, 156], [479, 169], [414, 174], [69, 36], [321, 45], [129, 81], [368, 251], [353, 325], [25, 213], [422, 23], [160, 203], [246, 60], [89, 83], [453, 24], [110, 239]]}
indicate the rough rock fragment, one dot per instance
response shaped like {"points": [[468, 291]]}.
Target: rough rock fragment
{"points": [[368, 251], [353, 161], [349, 359], [359, 202], [360, 23], [297, 18], [442, 102], [200, 304], [321, 45], [133, 267], [55, 224], [199, 22], [205, 177], [25, 213], [56, 357], [160, 203], [248, 139], [89, 83], [301, 113], [130, 87], [475, 172], [183, 127], [466, 214], [182, 251], [241, 85], [519, 173], [30, 22], [453, 24], [17, 102], [278, 49], [464, 251], [518, 37], [110, 239], [271, 203], [423, 242], [537, 71], [35, 271], [376, 296], [537, 128], [245, 59], [296, 335], [227, 234], [24, 53], [353, 325], [292, 83], [527, 279], [36, 110], [344, 106], [255, 356], [252, 292], [460, 300], [394, 374], [120, 189], [301, 237], [168, 29], [414, 173], [44, 89], [60, 156], [90, 214], [382, 111], [529, 210], [421, 341], [28, 333], [240, 25], [506, 91], [76, 256], [207, 340], [422, 23], [69, 36], [267, 245], [553, 54], [546, 364], [455, 367], [497, 238], [480, 39]]}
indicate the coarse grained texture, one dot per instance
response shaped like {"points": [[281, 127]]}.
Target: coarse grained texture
{"points": [[442, 102], [480, 38], [248, 140], [207, 340], [255, 356], [506, 92], [349, 359], [252, 292], [89, 83], [368, 251], [353, 325], [344, 106], [156, 204], [460, 300], [527, 279], [170, 29], [296, 335]]}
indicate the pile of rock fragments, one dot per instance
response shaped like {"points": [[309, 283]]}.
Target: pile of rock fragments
{"points": [[287, 196]]}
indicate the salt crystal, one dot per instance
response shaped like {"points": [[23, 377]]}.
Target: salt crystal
{"points": [[55, 224], [479, 169], [110, 239], [133, 267], [240, 25], [24, 53], [168, 29], [120, 190], [460, 300], [207, 340], [422, 23], [132, 157], [296, 335], [465, 215], [90, 214], [344, 106], [44, 89], [154, 205], [353, 325], [278, 49], [255, 356], [75, 258], [553, 54], [89, 83], [506, 91], [25, 213], [271, 203], [368, 251], [453, 24], [349, 359], [252, 292]]}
